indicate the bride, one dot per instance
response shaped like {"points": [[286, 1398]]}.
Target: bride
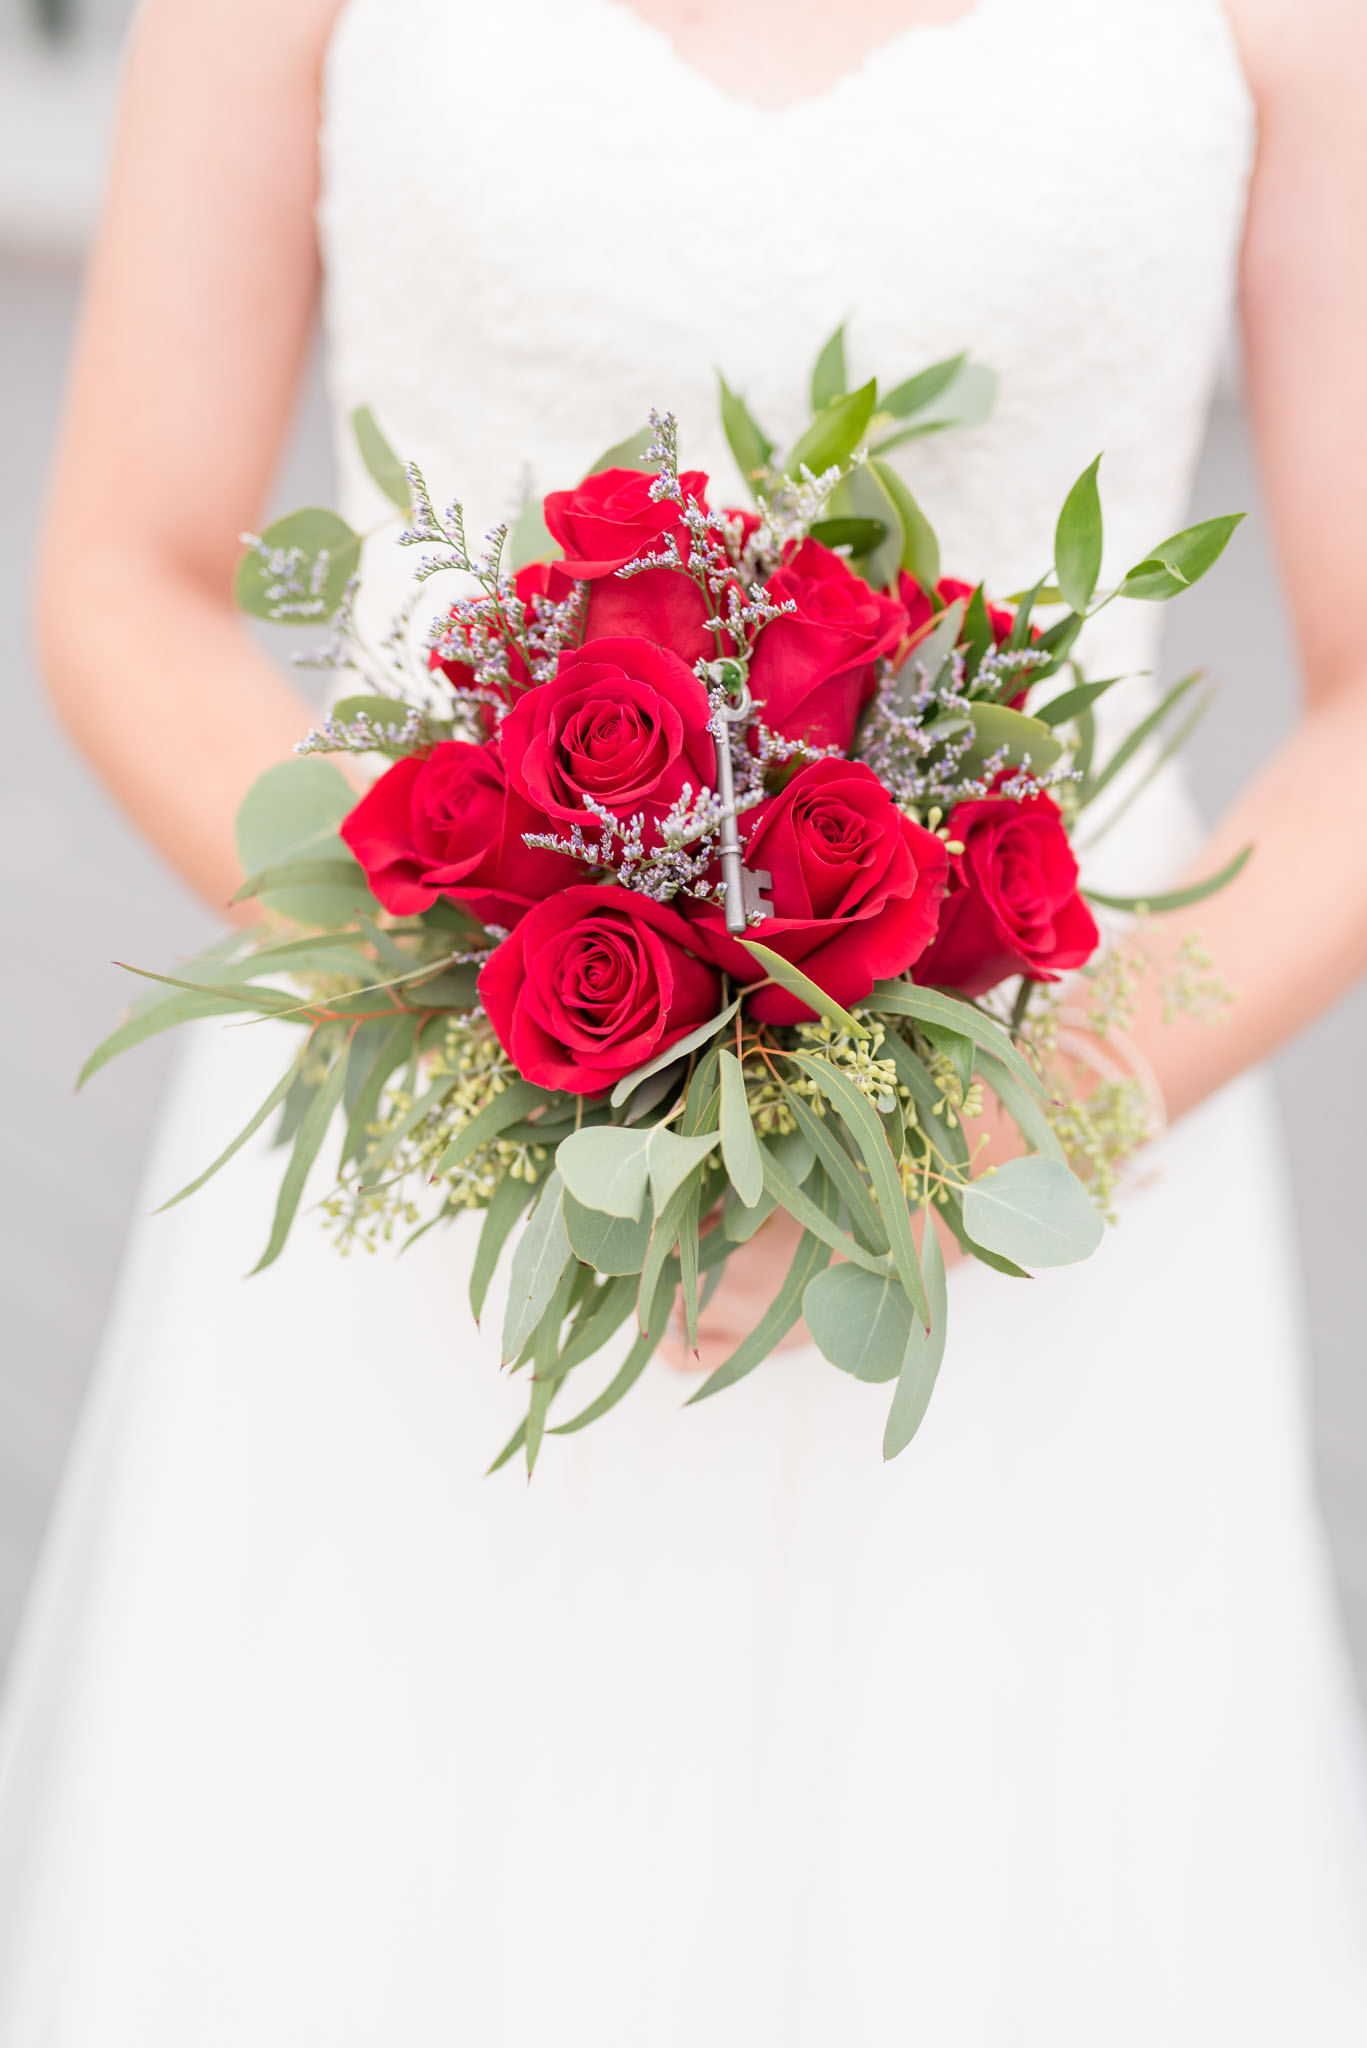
{"points": [[1038, 1738]]}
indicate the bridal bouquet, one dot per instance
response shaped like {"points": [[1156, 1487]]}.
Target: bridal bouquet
{"points": [[716, 863]]}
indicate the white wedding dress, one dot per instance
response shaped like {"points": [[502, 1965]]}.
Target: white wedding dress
{"points": [[721, 1733]]}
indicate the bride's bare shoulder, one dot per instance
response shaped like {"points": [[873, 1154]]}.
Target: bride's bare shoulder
{"points": [[1286, 45]]}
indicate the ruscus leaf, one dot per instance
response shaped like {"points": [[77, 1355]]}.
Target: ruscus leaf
{"points": [[1078, 540]]}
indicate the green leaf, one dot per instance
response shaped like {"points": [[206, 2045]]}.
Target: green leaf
{"points": [[507, 1107], [739, 1224], [672, 1053], [861, 499], [612, 1244], [829, 377], [925, 1348], [509, 1199], [628, 454], [1033, 1211], [393, 1043], [529, 538], [965, 401], [380, 459], [1136, 737], [804, 988], [307, 1146], [291, 813], [1022, 1106], [1077, 541], [329, 554], [857, 1113], [958, 1048], [542, 1253], [835, 433], [181, 1008], [664, 1236], [633, 1365], [602, 1315], [810, 1257], [747, 440], [305, 874], [916, 393], [546, 1382], [381, 711], [920, 548], [1180, 561], [928, 657], [1070, 704], [997, 725], [250, 1129], [932, 1006], [861, 536], [1174, 899], [860, 1206], [809, 1214], [859, 1321], [407, 1124], [608, 1168], [739, 1145]]}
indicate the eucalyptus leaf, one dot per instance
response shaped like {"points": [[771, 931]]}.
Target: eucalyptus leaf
{"points": [[541, 1255], [291, 813], [509, 1199], [1034, 1211], [1175, 564], [859, 1321], [249, 1130], [804, 988], [1078, 540], [307, 1146], [738, 1223], [680, 1049], [801, 1207], [606, 1168], [810, 1257], [829, 376], [612, 1244], [182, 1008], [1138, 735], [958, 1048], [739, 1145], [933, 1006], [1023, 1107], [865, 1220], [380, 459], [860, 1119], [925, 1349], [328, 556], [507, 1107]]}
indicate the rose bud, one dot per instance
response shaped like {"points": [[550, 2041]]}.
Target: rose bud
{"points": [[814, 669], [856, 888], [609, 520], [448, 824], [622, 722], [1013, 906], [593, 983]]}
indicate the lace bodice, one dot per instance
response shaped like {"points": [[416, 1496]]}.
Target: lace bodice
{"points": [[538, 220]]}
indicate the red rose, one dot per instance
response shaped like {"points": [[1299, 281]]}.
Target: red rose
{"points": [[622, 722], [448, 824], [1013, 906], [856, 888], [593, 983], [921, 614], [611, 518], [813, 670], [534, 579]]}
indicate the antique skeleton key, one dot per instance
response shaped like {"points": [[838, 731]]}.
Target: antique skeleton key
{"points": [[746, 889]]}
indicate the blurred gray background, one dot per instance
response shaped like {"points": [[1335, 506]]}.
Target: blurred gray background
{"points": [[79, 888]]}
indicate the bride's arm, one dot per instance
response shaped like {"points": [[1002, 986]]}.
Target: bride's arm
{"points": [[1290, 935], [196, 327]]}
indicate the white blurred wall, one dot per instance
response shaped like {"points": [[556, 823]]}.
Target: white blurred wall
{"points": [[79, 889]]}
